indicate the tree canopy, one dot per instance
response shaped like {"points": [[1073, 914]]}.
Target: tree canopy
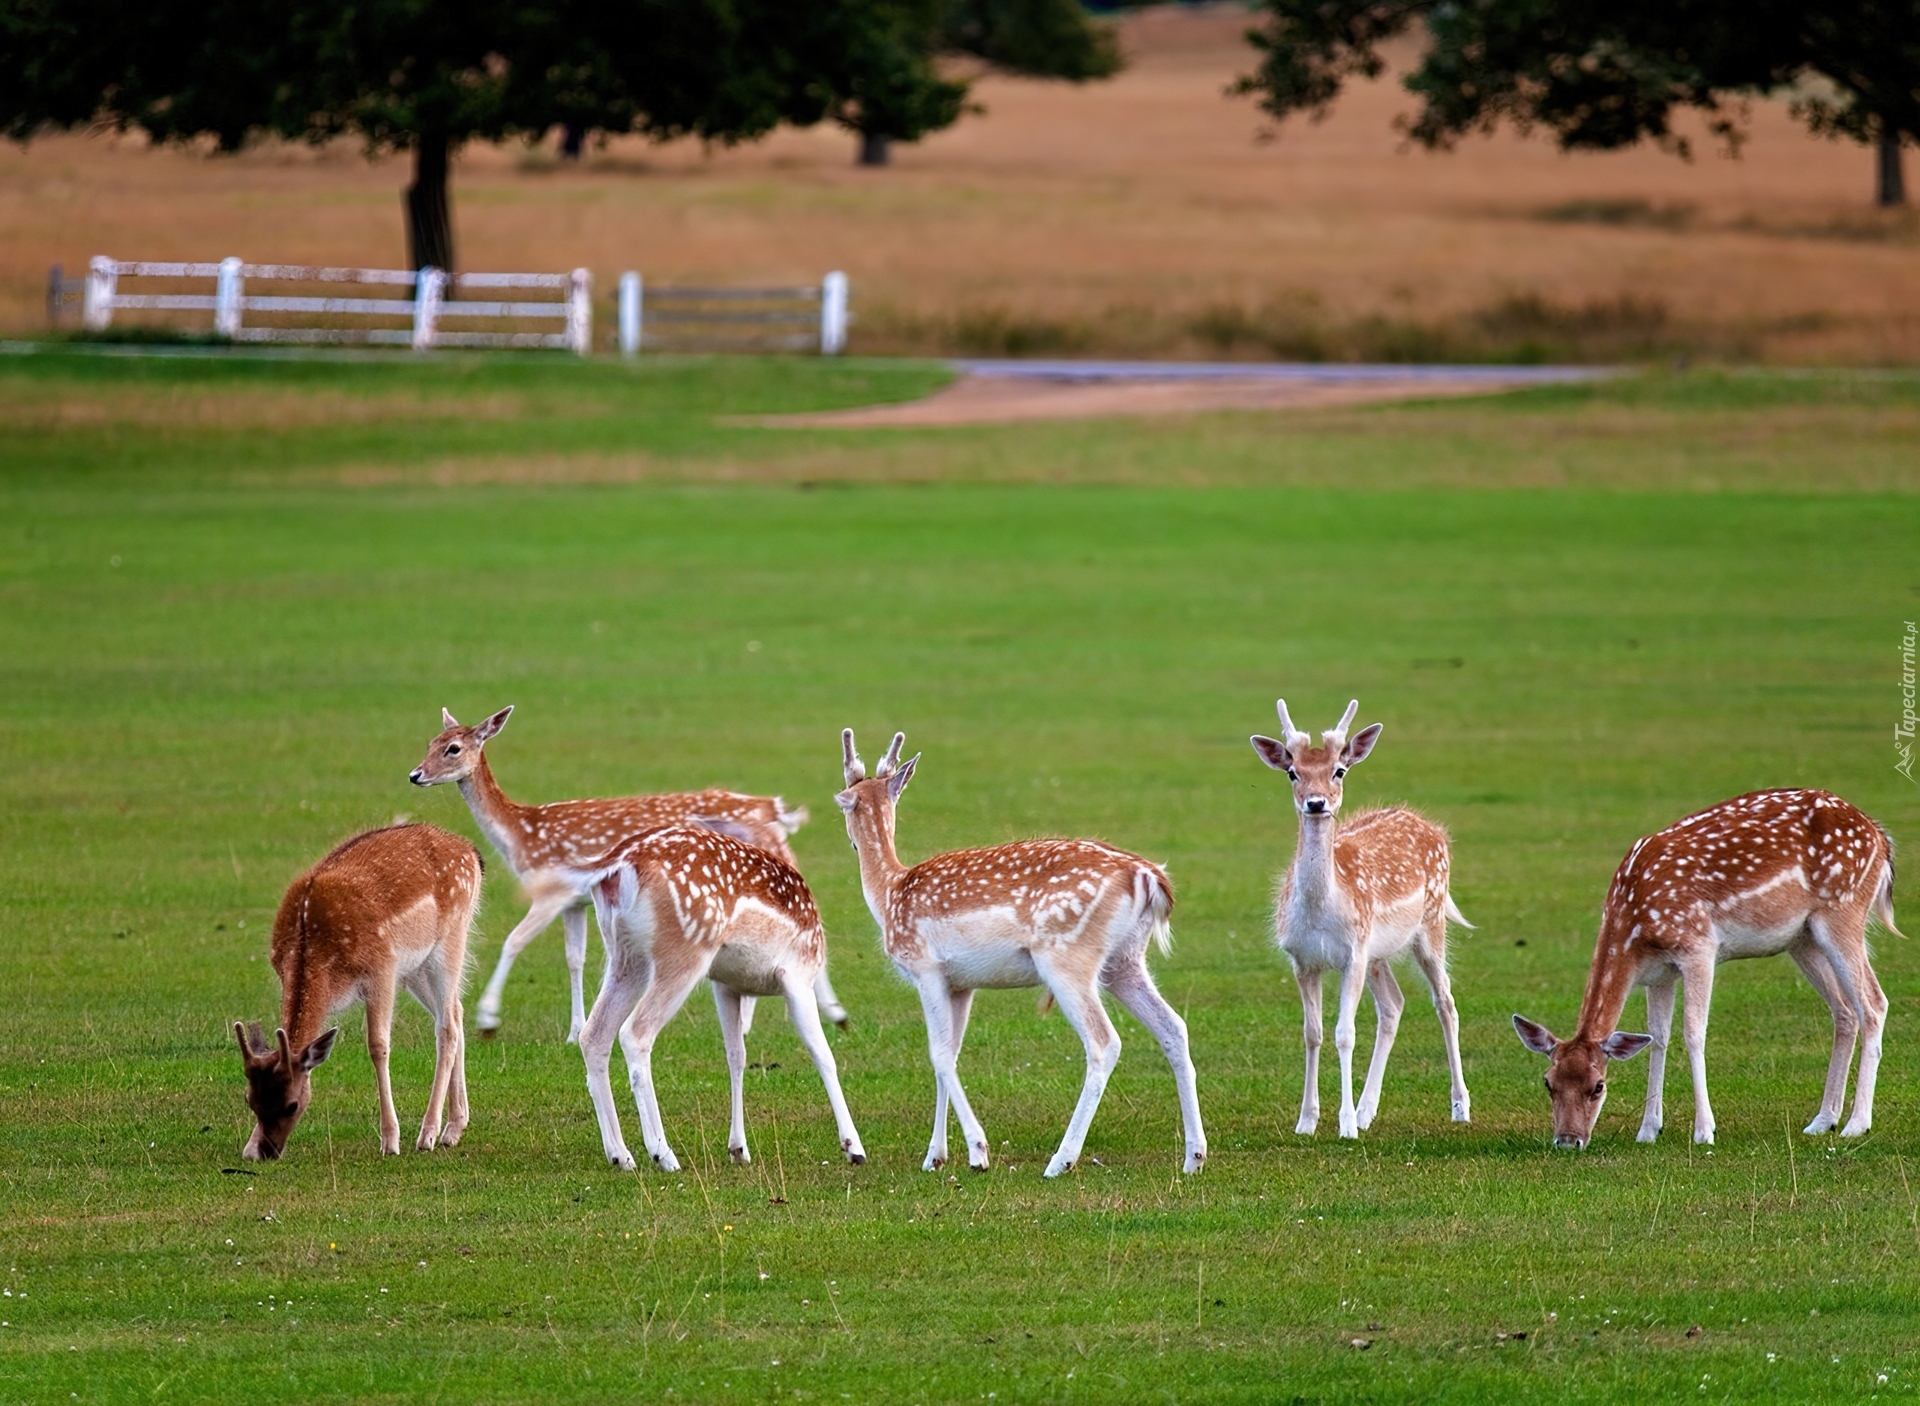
{"points": [[1601, 74]]}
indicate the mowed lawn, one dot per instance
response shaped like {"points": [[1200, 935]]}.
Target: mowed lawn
{"points": [[234, 596]]}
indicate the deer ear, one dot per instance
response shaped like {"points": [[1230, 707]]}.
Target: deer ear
{"points": [[317, 1052], [721, 825], [1274, 754], [1357, 748], [492, 725], [1621, 1045], [1535, 1037], [448, 721], [247, 1056], [898, 778]]}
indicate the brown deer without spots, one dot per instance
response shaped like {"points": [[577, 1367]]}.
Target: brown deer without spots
{"points": [[677, 904], [1768, 872], [541, 843], [1073, 915], [1360, 893], [386, 909]]}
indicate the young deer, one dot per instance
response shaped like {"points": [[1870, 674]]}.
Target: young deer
{"points": [[1073, 915], [1360, 893], [1768, 872], [541, 844], [677, 904], [387, 909]]}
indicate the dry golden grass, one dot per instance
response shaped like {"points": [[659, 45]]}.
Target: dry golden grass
{"points": [[1150, 214]]}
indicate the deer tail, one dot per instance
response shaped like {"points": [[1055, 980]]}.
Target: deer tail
{"points": [[1455, 916]]}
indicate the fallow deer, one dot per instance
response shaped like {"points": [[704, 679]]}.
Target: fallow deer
{"points": [[1360, 893], [541, 842], [676, 904], [385, 910], [1772, 871], [1073, 915]]}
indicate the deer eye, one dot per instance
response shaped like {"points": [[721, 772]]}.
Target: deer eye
{"points": [[453, 749], [1292, 775], [1598, 1089], [1339, 772], [290, 1110]]}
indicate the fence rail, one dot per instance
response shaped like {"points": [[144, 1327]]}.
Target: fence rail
{"points": [[435, 300], [688, 318]]}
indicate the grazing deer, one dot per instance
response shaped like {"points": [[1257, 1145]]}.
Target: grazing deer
{"points": [[541, 843], [1360, 893], [676, 904], [387, 909], [1073, 915], [1768, 872]]}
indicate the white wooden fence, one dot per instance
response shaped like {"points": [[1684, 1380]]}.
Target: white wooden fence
{"points": [[432, 299], [734, 319]]}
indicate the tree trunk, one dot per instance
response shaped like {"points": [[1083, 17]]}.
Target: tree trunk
{"points": [[429, 225], [573, 140], [874, 148], [1892, 185]]}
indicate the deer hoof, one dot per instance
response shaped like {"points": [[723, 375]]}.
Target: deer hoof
{"points": [[741, 1157]]}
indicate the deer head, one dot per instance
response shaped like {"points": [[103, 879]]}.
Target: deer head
{"points": [[868, 801], [279, 1085], [453, 755], [1317, 772], [1577, 1076]]}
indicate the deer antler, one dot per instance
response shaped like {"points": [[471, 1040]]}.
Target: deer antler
{"points": [[892, 758], [1296, 739], [1336, 737], [856, 770], [286, 1051]]}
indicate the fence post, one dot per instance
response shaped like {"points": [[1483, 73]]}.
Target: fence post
{"points": [[96, 311], [580, 313], [226, 299], [428, 286], [833, 314], [630, 291], [56, 294]]}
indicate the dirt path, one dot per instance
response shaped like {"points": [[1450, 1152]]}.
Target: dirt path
{"points": [[996, 393]]}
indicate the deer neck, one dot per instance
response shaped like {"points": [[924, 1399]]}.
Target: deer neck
{"points": [[306, 1000], [880, 867], [1313, 878], [1609, 983], [496, 816]]}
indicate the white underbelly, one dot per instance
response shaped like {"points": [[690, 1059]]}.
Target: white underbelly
{"points": [[1738, 940], [1000, 966], [749, 970]]}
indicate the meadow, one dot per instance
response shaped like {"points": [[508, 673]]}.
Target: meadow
{"points": [[235, 593]]}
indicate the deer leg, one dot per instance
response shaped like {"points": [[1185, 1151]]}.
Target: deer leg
{"points": [[1388, 1003], [1353, 981], [1078, 996], [962, 1002], [1660, 1027], [727, 1002], [806, 1020], [546, 907], [1310, 994], [379, 1042], [625, 978], [675, 974], [574, 924], [829, 1004], [1696, 1000], [428, 986], [1133, 986], [937, 1004], [458, 1112], [1846, 952], [1431, 956], [748, 1004], [1846, 1029]]}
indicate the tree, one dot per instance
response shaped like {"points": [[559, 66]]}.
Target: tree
{"points": [[1602, 74], [426, 76]]}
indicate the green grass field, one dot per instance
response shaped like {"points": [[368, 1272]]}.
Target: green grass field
{"points": [[234, 596]]}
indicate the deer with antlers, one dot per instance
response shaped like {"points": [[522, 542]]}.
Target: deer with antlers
{"points": [[676, 904], [385, 910], [1073, 915], [1360, 893], [1772, 871], [541, 844]]}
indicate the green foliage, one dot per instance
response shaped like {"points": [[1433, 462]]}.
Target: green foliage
{"points": [[1042, 38], [224, 642]]}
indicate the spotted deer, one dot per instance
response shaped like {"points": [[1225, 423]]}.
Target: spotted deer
{"points": [[541, 843], [1361, 892], [1772, 871], [385, 910], [1072, 915], [676, 904]]}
